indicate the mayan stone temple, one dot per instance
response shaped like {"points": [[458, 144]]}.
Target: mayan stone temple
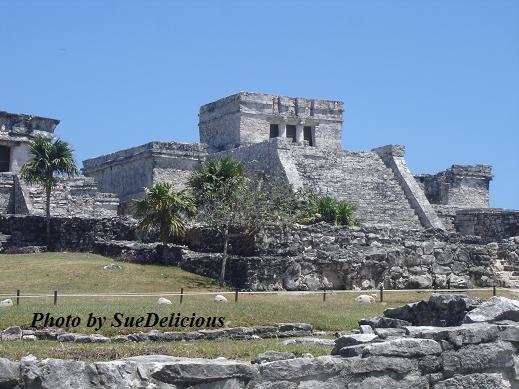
{"points": [[417, 231], [299, 139]]}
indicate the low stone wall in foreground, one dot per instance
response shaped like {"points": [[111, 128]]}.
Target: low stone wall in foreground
{"points": [[387, 352]]}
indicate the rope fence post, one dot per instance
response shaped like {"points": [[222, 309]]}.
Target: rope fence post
{"points": [[236, 295], [18, 297], [381, 293], [181, 295], [55, 297], [324, 295], [494, 291]]}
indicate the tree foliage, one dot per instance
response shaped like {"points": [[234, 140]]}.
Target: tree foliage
{"points": [[233, 200], [47, 160], [164, 209], [316, 209], [209, 179]]}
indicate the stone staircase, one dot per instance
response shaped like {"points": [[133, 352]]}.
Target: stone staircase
{"points": [[361, 178]]}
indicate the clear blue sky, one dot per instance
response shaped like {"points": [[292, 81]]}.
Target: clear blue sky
{"points": [[441, 77]]}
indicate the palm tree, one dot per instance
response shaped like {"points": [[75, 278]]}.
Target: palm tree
{"points": [[209, 178], [47, 159], [166, 209]]}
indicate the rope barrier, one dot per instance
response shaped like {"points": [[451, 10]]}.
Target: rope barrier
{"points": [[280, 293]]}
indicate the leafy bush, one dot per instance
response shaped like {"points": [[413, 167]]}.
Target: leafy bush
{"points": [[315, 209]]}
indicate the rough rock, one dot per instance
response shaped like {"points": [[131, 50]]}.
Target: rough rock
{"points": [[478, 358], [309, 341], [12, 333], [408, 348], [9, 373], [7, 303], [351, 340], [474, 381], [220, 299], [164, 301], [384, 322], [364, 299], [457, 336], [439, 310], [112, 266], [497, 308], [270, 356]]}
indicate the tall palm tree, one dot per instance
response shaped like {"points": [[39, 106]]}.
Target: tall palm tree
{"points": [[165, 209], [47, 159]]}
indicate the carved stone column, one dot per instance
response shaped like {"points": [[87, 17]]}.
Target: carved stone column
{"points": [[282, 130], [299, 133]]}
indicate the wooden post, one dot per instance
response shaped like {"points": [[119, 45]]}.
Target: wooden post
{"points": [[181, 295], [381, 293], [448, 283], [236, 295], [324, 295], [494, 291], [55, 297], [18, 297]]}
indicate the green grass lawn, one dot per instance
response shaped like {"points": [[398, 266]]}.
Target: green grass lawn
{"points": [[84, 273]]}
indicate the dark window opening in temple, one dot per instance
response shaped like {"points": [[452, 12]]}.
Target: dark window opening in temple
{"points": [[274, 130], [307, 135], [5, 157], [291, 132]]}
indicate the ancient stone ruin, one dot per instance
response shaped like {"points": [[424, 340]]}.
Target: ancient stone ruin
{"points": [[76, 196], [299, 140], [417, 231]]}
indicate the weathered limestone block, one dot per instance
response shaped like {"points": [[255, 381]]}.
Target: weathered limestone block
{"points": [[271, 356], [474, 381], [478, 358], [9, 373], [197, 371], [11, 333], [352, 340], [458, 336], [497, 308], [299, 368], [412, 381], [407, 348]]}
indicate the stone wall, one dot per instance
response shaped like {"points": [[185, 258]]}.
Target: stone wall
{"points": [[463, 186], [6, 193], [323, 256], [491, 224], [127, 172], [477, 356], [67, 233], [72, 196], [296, 257]]}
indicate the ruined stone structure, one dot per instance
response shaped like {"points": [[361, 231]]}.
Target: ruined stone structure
{"points": [[418, 231], [76, 196], [299, 140]]}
